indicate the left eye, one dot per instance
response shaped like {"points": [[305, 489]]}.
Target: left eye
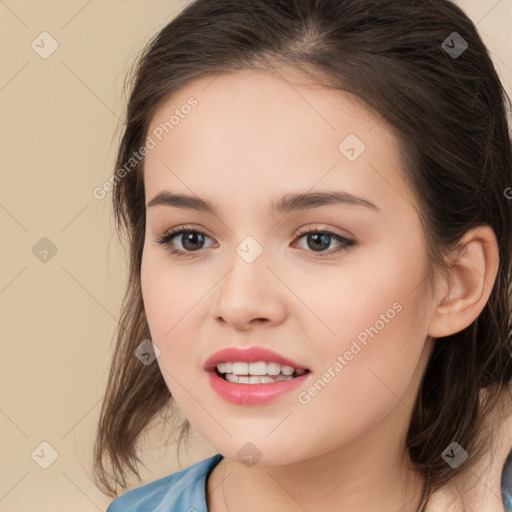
{"points": [[190, 239], [318, 239]]}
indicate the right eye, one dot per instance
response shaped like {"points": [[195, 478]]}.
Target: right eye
{"points": [[189, 243]]}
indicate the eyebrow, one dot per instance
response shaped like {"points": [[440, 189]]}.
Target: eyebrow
{"points": [[286, 204]]}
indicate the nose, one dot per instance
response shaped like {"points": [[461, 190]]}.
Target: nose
{"points": [[250, 294]]}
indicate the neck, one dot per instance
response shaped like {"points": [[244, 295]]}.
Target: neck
{"points": [[363, 475]]}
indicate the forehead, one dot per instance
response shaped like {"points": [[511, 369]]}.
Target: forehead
{"points": [[258, 134]]}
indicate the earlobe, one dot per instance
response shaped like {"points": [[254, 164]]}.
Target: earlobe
{"points": [[469, 282]]}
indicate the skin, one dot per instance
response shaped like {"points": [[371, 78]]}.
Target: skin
{"points": [[252, 138]]}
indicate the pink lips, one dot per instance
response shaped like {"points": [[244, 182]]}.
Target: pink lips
{"points": [[251, 394], [248, 355]]}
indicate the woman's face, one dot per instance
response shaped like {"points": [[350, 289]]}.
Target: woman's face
{"points": [[356, 316]]}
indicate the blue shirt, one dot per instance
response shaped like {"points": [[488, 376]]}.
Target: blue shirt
{"points": [[182, 491], [185, 490]]}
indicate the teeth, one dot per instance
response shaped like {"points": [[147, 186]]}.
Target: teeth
{"points": [[259, 368], [254, 379], [225, 367], [240, 368], [273, 368], [287, 370]]}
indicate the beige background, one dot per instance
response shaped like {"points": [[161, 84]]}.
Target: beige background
{"points": [[60, 124]]}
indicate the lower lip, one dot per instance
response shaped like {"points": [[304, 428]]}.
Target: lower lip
{"points": [[253, 394]]}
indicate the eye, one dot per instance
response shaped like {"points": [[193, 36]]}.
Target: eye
{"points": [[319, 239], [192, 240]]}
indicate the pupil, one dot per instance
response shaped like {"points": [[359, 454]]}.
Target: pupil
{"points": [[319, 237], [191, 237]]}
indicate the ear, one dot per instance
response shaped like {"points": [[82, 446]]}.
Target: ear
{"points": [[465, 290]]}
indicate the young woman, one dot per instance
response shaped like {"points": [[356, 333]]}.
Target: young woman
{"points": [[317, 196]]}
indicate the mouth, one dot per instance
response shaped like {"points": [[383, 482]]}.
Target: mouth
{"points": [[237, 385]]}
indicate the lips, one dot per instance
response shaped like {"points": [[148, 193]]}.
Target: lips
{"points": [[249, 355]]}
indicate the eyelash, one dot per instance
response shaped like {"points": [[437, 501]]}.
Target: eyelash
{"points": [[166, 238]]}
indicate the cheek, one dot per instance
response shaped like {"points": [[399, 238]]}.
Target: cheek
{"points": [[171, 301], [375, 287], [359, 383], [371, 318], [169, 289]]}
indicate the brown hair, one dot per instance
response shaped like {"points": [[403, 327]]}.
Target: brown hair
{"points": [[449, 112]]}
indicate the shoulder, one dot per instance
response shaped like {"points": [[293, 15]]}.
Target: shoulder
{"points": [[183, 490]]}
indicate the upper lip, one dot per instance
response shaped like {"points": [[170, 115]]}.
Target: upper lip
{"points": [[248, 355]]}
